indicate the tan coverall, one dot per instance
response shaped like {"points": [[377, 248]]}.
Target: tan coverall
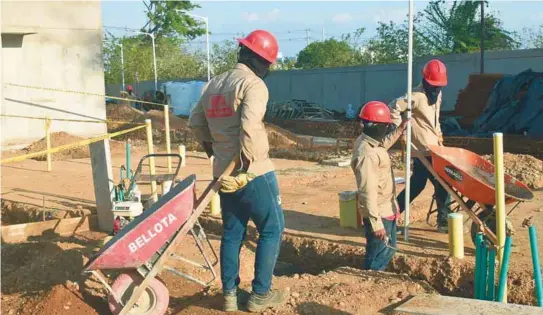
{"points": [[376, 197], [230, 114]]}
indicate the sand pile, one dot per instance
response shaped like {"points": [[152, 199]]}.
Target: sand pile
{"points": [[59, 139], [525, 168]]}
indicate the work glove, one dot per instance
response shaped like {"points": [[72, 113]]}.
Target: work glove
{"points": [[231, 184]]}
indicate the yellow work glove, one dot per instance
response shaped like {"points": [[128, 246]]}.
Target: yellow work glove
{"points": [[231, 184]]}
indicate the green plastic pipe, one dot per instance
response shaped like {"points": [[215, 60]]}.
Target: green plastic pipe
{"points": [[484, 271], [128, 159], [504, 268], [537, 266], [491, 286], [478, 252]]}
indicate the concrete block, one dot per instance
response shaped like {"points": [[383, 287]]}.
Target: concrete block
{"points": [[432, 304], [102, 176]]}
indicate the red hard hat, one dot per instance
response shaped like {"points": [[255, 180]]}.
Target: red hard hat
{"points": [[375, 111], [262, 43], [129, 87], [435, 73]]}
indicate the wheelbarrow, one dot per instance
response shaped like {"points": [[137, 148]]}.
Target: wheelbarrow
{"points": [[142, 248], [469, 179]]}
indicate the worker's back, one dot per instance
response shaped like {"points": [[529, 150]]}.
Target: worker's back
{"points": [[222, 101]]}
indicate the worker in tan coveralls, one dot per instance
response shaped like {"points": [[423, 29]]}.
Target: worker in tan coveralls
{"points": [[375, 181], [228, 121], [426, 105]]}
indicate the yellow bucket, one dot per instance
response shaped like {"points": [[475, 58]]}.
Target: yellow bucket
{"points": [[348, 214]]}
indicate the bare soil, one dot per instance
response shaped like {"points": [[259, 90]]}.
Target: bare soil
{"points": [[37, 274], [526, 168]]}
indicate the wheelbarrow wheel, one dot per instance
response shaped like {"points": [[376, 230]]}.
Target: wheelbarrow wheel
{"points": [[153, 301], [490, 221]]}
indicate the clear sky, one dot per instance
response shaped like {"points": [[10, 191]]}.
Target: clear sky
{"points": [[288, 20]]}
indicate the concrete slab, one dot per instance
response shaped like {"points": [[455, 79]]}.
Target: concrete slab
{"points": [[432, 304], [104, 187], [65, 227]]}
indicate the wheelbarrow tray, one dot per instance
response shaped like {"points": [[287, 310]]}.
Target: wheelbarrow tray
{"points": [[473, 176], [138, 241]]}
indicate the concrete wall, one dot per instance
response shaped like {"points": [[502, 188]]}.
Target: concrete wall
{"points": [[335, 88], [54, 44]]}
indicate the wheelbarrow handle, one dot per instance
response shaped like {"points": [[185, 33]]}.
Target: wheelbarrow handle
{"points": [[491, 236]]}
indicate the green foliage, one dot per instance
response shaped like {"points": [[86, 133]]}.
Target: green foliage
{"points": [[534, 37], [164, 19], [458, 29], [326, 54], [224, 56]]}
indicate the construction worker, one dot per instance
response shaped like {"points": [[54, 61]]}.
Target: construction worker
{"points": [[426, 104], [227, 121], [375, 180]]}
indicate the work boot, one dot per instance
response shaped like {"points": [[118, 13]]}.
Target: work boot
{"points": [[230, 301], [443, 229], [273, 298]]}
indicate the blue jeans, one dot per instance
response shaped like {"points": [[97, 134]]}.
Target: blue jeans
{"points": [[260, 202], [418, 181], [378, 255]]}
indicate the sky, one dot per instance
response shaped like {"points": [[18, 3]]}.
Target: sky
{"points": [[294, 23]]}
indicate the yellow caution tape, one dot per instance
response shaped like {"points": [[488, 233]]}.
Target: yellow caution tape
{"points": [[69, 146], [82, 93], [75, 120]]}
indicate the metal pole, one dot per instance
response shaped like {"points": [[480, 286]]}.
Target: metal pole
{"points": [[408, 137], [154, 60], [323, 34], [307, 37], [122, 64], [482, 36], [207, 47]]}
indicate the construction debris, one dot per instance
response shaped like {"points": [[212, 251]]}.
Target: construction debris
{"points": [[298, 109]]}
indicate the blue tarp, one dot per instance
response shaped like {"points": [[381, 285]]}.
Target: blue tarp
{"points": [[515, 106], [184, 95]]}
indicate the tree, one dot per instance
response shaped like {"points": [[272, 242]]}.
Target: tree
{"points": [[224, 56], [534, 37], [390, 45], [164, 19], [326, 54], [457, 29]]}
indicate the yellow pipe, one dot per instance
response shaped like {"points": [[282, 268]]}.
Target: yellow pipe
{"points": [[456, 235], [500, 198], [68, 146], [150, 150], [215, 205], [48, 142], [167, 130]]}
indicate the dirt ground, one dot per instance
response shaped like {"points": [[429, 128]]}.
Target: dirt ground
{"points": [[37, 275]]}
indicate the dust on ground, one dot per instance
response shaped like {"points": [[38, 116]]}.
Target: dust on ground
{"points": [[526, 168]]}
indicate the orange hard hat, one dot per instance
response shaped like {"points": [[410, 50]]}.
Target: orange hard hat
{"points": [[262, 43], [129, 87], [375, 111], [435, 73]]}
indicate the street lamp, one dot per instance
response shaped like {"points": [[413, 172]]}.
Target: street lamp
{"points": [[122, 61], [206, 20], [154, 55]]}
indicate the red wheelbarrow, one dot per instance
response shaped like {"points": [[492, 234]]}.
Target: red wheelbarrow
{"points": [[469, 179], [142, 248]]}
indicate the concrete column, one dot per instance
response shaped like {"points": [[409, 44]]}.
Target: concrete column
{"points": [[102, 176]]}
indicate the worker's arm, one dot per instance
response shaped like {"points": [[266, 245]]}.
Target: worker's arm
{"points": [[393, 136], [198, 125], [398, 114], [438, 124], [368, 189], [253, 109]]}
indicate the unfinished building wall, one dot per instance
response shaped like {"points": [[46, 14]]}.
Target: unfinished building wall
{"points": [[52, 44]]}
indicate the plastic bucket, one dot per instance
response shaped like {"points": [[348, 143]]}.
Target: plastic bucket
{"points": [[348, 213]]}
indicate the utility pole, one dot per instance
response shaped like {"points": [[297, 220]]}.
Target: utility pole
{"points": [[482, 37], [323, 34], [307, 37]]}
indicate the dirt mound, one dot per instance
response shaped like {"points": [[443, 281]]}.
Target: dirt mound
{"points": [[122, 112], [58, 139], [345, 290], [157, 120], [525, 168], [61, 301], [19, 212]]}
